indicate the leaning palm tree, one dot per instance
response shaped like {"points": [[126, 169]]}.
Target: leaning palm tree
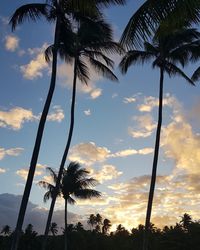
{"points": [[93, 42], [145, 21], [166, 51], [74, 184], [56, 11]]}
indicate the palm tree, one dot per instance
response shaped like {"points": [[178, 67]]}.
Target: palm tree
{"points": [[145, 21], [52, 10], [106, 226], [186, 221], [165, 51], [6, 230], [54, 228], [92, 40], [74, 184], [91, 220]]}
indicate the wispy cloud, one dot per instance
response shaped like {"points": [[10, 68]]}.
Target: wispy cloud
{"points": [[10, 152], [2, 170], [87, 112]]}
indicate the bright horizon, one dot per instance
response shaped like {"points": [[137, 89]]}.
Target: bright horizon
{"points": [[114, 131]]}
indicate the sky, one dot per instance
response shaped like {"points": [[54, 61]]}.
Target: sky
{"points": [[113, 137]]}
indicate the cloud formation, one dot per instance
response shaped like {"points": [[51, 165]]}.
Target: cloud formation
{"points": [[11, 152], [11, 43], [87, 112], [37, 65], [2, 170]]}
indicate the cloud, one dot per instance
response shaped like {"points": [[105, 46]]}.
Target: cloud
{"points": [[151, 102], [57, 114], [37, 216], [65, 73], [36, 66], [129, 99], [95, 93], [182, 145], [2, 170], [88, 153], [144, 126], [23, 173], [10, 152], [87, 112], [15, 117], [107, 172], [11, 43]]}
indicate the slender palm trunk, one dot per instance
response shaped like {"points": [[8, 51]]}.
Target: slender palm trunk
{"points": [[65, 224], [29, 181], [63, 158], [154, 168]]}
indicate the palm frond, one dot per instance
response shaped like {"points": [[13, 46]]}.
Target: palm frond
{"points": [[98, 55], [89, 182], [70, 200], [29, 12], [82, 71], [134, 57], [196, 75], [47, 196], [103, 69], [172, 70], [49, 53], [86, 193], [53, 174]]}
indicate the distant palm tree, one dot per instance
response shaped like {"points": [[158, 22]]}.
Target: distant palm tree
{"points": [[99, 219], [91, 220], [186, 221], [54, 228], [93, 42], [74, 184], [166, 51], [6, 230], [106, 226]]}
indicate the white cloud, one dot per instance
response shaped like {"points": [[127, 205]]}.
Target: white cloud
{"points": [[56, 115], [107, 172], [2, 170], [10, 152], [15, 117], [95, 93], [23, 173], [144, 126], [36, 66], [88, 153], [129, 99], [87, 112], [11, 43]]}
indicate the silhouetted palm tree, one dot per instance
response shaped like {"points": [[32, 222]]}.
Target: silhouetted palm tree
{"points": [[92, 43], [186, 220], [54, 228], [6, 230], [57, 11], [166, 51], [74, 184], [91, 220], [106, 226]]}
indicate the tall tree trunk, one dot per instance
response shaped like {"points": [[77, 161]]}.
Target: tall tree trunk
{"points": [[65, 224], [64, 158], [155, 163], [29, 181]]}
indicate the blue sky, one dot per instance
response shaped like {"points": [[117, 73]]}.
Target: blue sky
{"points": [[114, 127]]}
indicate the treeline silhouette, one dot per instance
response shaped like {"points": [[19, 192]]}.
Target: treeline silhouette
{"points": [[184, 235]]}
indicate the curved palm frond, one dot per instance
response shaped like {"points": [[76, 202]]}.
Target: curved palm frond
{"points": [[98, 55], [89, 182], [82, 71], [196, 75], [29, 11], [134, 57], [103, 69], [172, 70], [70, 200], [147, 18], [52, 173]]}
